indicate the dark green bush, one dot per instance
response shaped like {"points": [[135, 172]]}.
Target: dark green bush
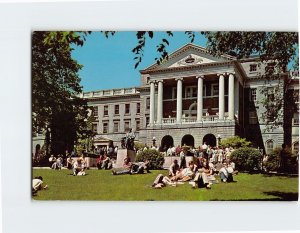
{"points": [[273, 160], [246, 159], [156, 158], [282, 160]]}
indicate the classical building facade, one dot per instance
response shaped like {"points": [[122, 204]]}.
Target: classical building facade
{"points": [[192, 98]]}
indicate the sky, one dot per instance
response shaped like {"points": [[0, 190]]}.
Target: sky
{"points": [[109, 63]]}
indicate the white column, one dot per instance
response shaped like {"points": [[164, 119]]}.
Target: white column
{"points": [[200, 98], [236, 97], [221, 96], [152, 108], [179, 100], [160, 102], [231, 97]]}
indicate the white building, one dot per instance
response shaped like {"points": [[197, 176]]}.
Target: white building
{"points": [[191, 98]]}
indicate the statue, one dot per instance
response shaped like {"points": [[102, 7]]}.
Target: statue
{"points": [[129, 140]]}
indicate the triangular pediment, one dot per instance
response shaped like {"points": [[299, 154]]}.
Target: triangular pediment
{"points": [[190, 55]]}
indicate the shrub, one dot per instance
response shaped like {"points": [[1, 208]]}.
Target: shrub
{"points": [[156, 158], [282, 160], [235, 142], [139, 145], [273, 160], [246, 159]]}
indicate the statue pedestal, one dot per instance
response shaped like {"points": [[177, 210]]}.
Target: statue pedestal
{"points": [[122, 154]]}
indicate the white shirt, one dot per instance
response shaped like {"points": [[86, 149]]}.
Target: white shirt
{"points": [[36, 183]]}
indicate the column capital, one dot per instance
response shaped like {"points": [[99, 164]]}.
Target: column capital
{"points": [[230, 73], [221, 74], [200, 76], [152, 81], [176, 79], [160, 81]]}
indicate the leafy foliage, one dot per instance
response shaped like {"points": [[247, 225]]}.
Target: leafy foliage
{"points": [[56, 106], [246, 159], [281, 160], [156, 158], [235, 142]]}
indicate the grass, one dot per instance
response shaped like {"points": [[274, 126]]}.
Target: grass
{"points": [[102, 185]]}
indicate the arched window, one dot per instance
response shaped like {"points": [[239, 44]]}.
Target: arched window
{"points": [[296, 147], [269, 146]]}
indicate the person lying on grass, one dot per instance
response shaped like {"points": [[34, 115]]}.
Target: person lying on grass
{"points": [[185, 174], [162, 181], [132, 168], [125, 169], [37, 184], [140, 167]]}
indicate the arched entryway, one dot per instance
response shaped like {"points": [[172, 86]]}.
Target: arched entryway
{"points": [[188, 140], [210, 139], [37, 148], [167, 141]]}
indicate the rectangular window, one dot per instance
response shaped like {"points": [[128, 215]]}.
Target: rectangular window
{"points": [[138, 126], [105, 127], [215, 89], [190, 92], [253, 67], [138, 108], [126, 125], [252, 96], [94, 128], [95, 111], [117, 110], [147, 121], [148, 103], [252, 118], [127, 108], [296, 119], [105, 110], [116, 127], [174, 92], [271, 96]]}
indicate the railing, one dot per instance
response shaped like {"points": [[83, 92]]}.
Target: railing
{"points": [[122, 91], [211, 118]]}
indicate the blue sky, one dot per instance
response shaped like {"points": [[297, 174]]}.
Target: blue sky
{"points": [[108, 63]]}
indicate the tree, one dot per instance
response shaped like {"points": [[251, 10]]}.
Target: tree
{"points": [[56, 106], [235, 142]]}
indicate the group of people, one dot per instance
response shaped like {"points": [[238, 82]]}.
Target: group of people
{"points": [[201, 171], [129, 167]]}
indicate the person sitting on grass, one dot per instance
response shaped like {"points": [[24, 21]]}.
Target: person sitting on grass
{"points": [[37, 184], [185, 174], [174, 168], [78, 168], [226, 173], [70, 162], [125, 169], [204, 177], [140, 167]]}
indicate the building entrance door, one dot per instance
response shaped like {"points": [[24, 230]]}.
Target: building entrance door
{"points": [[167, 142], [188, 140], [210, 139]]}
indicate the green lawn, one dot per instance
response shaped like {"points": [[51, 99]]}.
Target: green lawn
{"points": [[102, 185]]}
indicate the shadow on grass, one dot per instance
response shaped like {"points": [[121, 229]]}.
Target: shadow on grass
{"points": [[283, 196]]}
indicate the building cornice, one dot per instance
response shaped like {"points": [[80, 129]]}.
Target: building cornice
{"points": [[184, 49], [184, 68]]}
